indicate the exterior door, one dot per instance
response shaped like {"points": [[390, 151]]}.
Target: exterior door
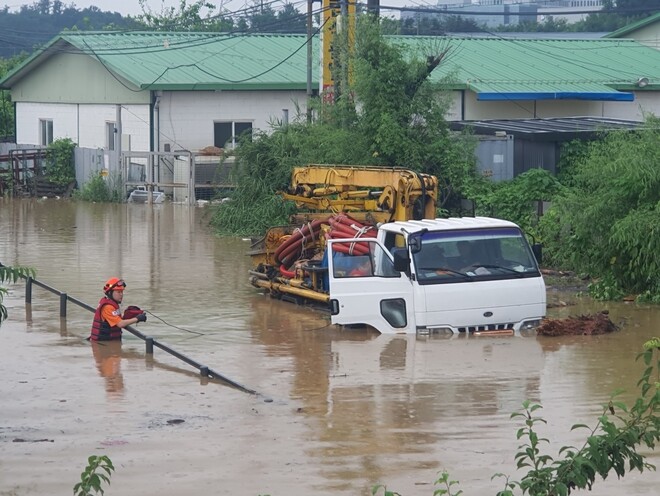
{"points": [[365, 288]]}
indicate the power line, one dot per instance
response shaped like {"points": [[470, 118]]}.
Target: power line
{"points": [[201, 69], [463, 13]]}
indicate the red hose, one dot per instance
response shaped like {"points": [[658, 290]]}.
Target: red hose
{"points": [[287, 273]]}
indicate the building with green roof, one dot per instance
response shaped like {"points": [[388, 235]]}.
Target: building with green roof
{"points": [[645, 31], [174, 91]]}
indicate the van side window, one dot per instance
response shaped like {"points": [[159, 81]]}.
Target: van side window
{"points": [[376, 263]]}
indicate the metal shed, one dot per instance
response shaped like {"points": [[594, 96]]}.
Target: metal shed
{"points": [[509, 147]]}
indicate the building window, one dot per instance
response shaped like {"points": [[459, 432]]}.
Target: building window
{"points": [[225, 134], [110, 133], [46, 129]]}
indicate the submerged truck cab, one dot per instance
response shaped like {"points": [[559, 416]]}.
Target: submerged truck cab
{"points": [[458, 275]]}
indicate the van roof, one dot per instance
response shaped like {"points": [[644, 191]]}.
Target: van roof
{"points": [[450, 224]]}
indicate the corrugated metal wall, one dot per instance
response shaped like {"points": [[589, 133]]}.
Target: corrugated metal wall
{"points": [[495, 157]]}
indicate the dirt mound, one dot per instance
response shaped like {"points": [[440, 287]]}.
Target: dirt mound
{"points": [[210, 151], [583, 325]]}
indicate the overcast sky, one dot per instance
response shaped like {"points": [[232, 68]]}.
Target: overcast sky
{"points": [[132, 7]]}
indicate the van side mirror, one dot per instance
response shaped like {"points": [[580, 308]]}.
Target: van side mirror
{"points": [[537, 250], [401, 259], [415, 243]]}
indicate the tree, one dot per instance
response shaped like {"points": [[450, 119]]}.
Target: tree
{"points": [[403, 113], [636, 7], [263, 19], [6, 106], [185, 17], [391, 114], [606, 224], [291, 20]]}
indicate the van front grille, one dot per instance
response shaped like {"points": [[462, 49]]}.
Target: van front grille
{"points": [[485, 328]]}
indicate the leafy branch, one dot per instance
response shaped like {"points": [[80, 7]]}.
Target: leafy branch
{"points": [[91, 479], [11, 274]]}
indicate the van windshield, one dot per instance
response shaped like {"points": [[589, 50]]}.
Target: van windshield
{"points": [[479, 254]]}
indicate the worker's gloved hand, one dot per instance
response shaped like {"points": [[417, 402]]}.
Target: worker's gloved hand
{"points": [[142, 317]]}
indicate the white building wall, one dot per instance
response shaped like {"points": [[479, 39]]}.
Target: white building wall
{"points": [[455, 106], [647, 35], [84, 124], [646, 102], [186, 118]]}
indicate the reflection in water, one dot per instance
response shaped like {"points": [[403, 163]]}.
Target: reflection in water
{"points": [[107, 356], [352, 408]]}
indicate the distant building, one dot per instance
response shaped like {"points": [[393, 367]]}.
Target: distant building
{"points": [[493, 13], [571, 10]]}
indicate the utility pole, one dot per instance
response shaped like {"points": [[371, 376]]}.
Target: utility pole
{"points": [[118, 139], [309, 58]]}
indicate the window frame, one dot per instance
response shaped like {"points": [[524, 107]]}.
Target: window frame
{"points": [[111, 144], [46, 132], [230, 143]]}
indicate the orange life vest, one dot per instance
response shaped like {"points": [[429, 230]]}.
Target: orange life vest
{"points": [[101, 330]]}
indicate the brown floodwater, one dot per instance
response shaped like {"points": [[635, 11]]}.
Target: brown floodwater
{"points": [[350, 408]]}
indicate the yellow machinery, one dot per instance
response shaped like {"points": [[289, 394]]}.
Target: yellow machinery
{"points": [[370, 195]]}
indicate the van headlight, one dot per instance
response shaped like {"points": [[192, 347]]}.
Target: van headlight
{"points": [[530, 325]]}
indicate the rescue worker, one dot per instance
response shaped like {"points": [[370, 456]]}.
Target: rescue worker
{"points": [[108, 322]]}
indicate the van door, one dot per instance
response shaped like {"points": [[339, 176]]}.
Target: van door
{"points": [[365, 288]]}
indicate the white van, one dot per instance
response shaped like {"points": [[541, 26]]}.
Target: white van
{"points": [[469, 274]]}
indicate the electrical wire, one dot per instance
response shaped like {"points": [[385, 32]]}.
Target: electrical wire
{"points": [[194, 64], [172, 325]]}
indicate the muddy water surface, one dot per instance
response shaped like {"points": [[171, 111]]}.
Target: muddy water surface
{"points": [[349, 409]]}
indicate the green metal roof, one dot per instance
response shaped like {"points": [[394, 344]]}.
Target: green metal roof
{"points": [[494, 68], [191, 61], [514, 69], [625, 30]]}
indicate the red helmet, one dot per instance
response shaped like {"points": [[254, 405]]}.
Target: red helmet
{"points": [[114, 284]]}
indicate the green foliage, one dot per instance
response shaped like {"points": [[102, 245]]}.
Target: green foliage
{"points": [[606, 289], [98, 471], [605, 223], [11, 274], [515, 200], [60, 164], [438, 26], [400, 110], [6, 105], [376, 490], [648, 297], [399, 121], [572, 153], [52, 17], [100, 189], [446, 485], [185, 17]]}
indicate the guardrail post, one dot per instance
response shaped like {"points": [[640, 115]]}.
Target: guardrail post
{"points": [[149, 342], [63, 299], [28, 291], [204, 371]]}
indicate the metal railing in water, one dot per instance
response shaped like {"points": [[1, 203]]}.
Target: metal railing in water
{"points": [[150, 342]]}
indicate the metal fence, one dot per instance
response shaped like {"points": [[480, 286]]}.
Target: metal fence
{"points": [[150, 342]]}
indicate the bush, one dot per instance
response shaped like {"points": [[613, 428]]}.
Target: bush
{"points": [[606, 223], [100, 189], [60, 163]]}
